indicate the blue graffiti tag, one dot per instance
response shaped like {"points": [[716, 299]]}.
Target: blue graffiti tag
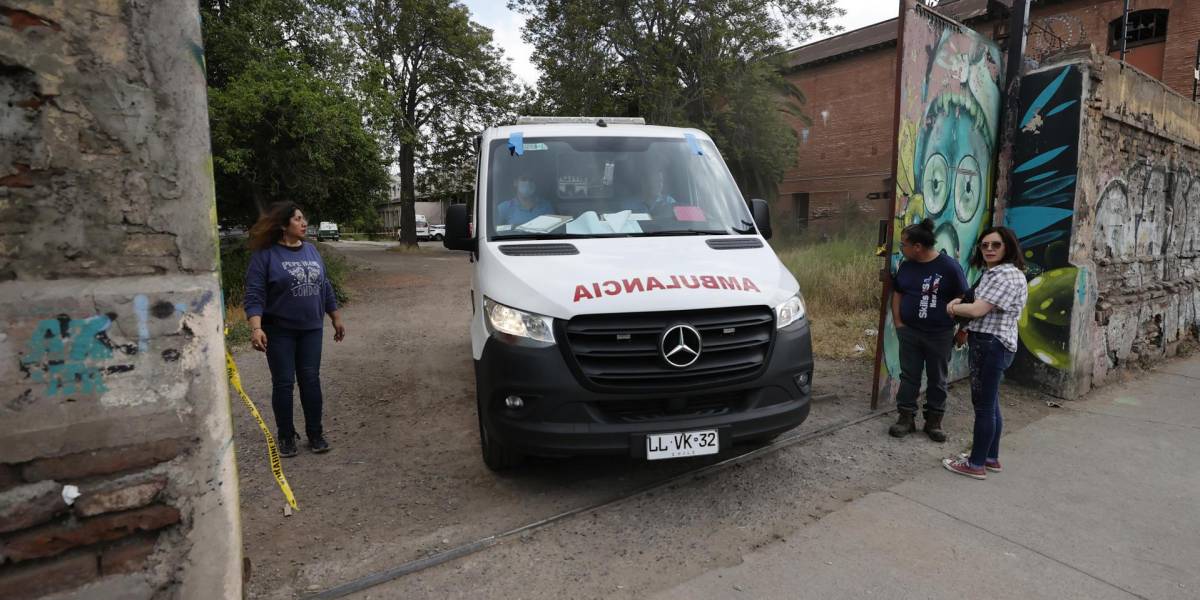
{"points": [[60, 353]]}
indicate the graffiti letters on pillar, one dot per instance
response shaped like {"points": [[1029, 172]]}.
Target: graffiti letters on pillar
{"points": [[949, 115], [63, 353], [1041, 210]]}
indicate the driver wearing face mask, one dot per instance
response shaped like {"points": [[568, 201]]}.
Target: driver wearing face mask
{"points": [[524, 207]]}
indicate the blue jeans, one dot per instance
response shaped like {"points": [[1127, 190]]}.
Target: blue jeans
{"points": [[988, 359], [295, 355]]}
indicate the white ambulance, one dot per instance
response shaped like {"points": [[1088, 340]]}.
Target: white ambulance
{"points": [[625, 300]]}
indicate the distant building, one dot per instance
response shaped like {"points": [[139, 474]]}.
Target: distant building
{"points": [[843, 165], [432, 206]]}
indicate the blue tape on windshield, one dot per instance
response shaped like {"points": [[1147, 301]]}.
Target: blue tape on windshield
{"points": [[691, 140], [516, 143]]}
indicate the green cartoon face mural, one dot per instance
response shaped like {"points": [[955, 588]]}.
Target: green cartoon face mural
{"points": [[952, 177], [946, 146]]}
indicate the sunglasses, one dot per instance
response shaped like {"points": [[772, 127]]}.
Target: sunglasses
{"points": [[991, 245]]}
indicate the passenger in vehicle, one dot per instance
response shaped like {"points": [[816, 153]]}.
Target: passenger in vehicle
{"points": [[654, 198], [525, 206]]}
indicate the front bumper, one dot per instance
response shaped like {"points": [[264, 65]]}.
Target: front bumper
{"points": [[562, 417]]}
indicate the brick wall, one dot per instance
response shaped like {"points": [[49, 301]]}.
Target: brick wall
{"points": [[116, 461], [845, 153]]}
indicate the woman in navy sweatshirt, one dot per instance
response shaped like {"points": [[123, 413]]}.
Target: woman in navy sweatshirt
{"points": [[287, 298]]}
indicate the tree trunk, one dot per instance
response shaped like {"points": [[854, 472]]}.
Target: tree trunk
{"points": [[408, 199]]}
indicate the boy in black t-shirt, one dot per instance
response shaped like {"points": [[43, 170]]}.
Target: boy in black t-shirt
{"points": [[923, 284]]}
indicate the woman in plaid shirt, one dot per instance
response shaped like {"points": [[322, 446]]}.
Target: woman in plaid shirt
{"points": [[999, 298]]}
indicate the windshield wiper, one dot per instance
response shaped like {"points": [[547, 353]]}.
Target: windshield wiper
{"points": [[671, 232], [747, 230], [530, 236]]}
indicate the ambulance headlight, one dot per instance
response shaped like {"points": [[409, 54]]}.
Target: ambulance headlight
{"points": [[789, 312], [508, 321]]}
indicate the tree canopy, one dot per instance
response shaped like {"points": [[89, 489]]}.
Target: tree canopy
{"points": [[283, 125], [710, 64], [431, 79]]}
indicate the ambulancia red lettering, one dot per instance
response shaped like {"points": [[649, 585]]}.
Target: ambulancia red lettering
{"points": [[581, 293], [613, 287]]}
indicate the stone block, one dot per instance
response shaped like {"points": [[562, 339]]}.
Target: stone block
{"points": [[51, 540], [121, 495], [30, 505], [39, 579], [104, 461], [129, 556]]}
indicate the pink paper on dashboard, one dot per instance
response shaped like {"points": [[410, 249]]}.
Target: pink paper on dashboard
{"points": [[689, 213]]}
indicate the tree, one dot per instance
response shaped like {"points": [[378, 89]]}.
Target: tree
{"points": [[711, 64], [280, 133], [282, 125], [431, 79]]}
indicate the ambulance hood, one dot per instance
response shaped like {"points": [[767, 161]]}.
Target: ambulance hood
{"points": [[627, 275]]}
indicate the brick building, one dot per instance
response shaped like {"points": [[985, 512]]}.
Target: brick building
{"points": [[843, 165]]}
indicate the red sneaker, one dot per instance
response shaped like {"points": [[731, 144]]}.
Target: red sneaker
{"points": [[991, 465], [962, 467]]}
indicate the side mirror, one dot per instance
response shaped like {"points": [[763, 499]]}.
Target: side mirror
{"points": [[458, 229], [762, 216]]}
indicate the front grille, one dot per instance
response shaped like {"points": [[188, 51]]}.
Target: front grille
{"points": [[622, 351], [646, 411]]}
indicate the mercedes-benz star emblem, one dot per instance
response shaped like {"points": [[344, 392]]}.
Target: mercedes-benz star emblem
{"points": [[680, 346]]}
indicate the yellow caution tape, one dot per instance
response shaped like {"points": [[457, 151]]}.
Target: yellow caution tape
{"points": [[272, 451]]}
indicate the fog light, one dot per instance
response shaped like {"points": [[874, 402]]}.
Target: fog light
{"points": [[802, 379], [514, 402]]}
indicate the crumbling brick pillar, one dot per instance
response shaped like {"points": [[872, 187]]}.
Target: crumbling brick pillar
{"points": [[116, 463]]}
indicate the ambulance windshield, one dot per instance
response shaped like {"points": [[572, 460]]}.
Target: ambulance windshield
{"points": [[611, 186]]}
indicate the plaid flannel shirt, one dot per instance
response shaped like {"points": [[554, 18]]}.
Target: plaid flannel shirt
{"points": [[1005, 288]]}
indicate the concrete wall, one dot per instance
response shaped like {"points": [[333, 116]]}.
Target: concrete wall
{"points": [[1137, 221], [111, 350], [1124, 288]]}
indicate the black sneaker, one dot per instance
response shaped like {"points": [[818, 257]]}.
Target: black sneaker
{"points": [[287, 445], [317, 444]]}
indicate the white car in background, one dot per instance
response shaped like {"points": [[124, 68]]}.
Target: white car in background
{"points": [[437, 232]]}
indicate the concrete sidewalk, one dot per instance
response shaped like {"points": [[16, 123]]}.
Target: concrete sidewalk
{"points": [[1099, 501]]}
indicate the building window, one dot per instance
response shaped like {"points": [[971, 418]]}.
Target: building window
{"points": [[1145, 27], [800, 209]]}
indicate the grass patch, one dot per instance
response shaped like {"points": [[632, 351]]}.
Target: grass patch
{"points": [[839, 277], [235, 258]]}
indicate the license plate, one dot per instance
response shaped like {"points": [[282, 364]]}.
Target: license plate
{"points": [[677, 445]]}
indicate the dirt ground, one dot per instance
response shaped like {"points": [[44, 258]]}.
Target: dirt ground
{"points": [[405, 479]]}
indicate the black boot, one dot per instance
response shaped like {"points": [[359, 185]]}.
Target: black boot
{"points": [[933, 427], [905, 425], [287, 445]]}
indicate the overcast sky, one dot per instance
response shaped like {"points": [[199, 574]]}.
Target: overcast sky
{"points": [[506, 27]]}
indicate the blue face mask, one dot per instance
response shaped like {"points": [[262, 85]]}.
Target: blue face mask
{"points": [[525, 188]]}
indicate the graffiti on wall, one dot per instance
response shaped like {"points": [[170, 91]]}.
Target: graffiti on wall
{"points": [[67, 356], [949, 114], [1052, 34], [64, 354], [1041, 209]]}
